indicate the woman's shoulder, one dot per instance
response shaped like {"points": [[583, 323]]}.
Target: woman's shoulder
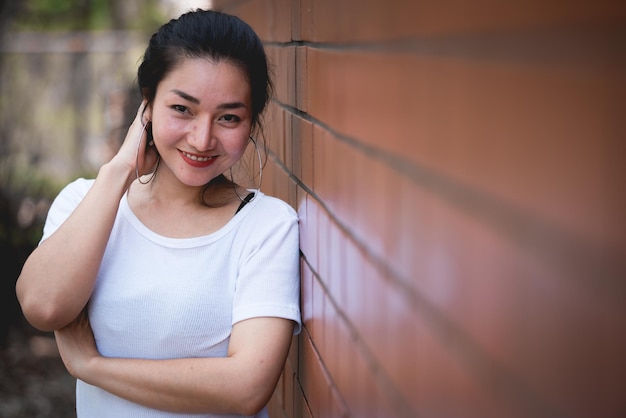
{"points": [[274, 206], [268, 213], [73, 192], [64, 204], [79, 186]]}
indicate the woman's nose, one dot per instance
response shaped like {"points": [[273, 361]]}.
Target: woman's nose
{"points": [[202, 136]]}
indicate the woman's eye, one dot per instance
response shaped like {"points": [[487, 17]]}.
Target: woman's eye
{"points": [[179, 108], [230, 118]]}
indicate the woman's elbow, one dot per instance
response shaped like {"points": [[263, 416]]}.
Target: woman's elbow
{"points": [[42, 315], [254, 398], [252, 406]]}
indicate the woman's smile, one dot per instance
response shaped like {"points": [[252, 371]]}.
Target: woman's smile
{"points": [[195, 160]]}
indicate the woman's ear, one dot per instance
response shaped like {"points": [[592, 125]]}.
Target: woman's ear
{"points": [[147, 114]]}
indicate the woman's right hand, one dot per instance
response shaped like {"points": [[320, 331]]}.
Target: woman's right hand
{"points": [[134, 154]]}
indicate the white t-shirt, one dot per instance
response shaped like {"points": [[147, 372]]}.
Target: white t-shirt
{"points": [[159, 298]]}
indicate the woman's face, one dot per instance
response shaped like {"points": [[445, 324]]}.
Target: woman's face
{"points": [[201, 119]]}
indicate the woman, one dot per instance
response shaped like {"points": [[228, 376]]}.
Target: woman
{"points": [[174, 293]]}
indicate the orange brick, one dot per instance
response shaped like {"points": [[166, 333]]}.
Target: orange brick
{"points": [[312, 378], [371, 20], [271, 19], [301, 79], [283, 67], [302, 143]]}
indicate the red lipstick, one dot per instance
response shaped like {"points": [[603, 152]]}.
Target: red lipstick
{"points": [[194, 160]]}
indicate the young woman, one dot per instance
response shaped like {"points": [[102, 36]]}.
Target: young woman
{"points": [[174, 293]]}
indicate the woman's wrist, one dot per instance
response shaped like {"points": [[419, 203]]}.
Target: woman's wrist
{"points": [[118, 175], [88, 372]]}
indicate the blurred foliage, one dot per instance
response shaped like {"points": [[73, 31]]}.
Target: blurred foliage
{"points": [[24, 200], [26, 191], [19, 184], [84, 15]]}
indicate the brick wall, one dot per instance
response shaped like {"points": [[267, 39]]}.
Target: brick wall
{"points": [[458, 168]]}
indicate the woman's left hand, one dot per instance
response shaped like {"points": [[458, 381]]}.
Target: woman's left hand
{"points": [[77, 344]]}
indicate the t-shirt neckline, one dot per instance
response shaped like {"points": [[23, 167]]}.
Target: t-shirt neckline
{"points": [[139, 226]]}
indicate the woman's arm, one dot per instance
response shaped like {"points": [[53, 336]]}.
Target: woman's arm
{"points": [[58, 277], [240, 383]]}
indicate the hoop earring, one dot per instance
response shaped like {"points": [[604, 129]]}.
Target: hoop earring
{"points": [[137, 158], [258, 189]]}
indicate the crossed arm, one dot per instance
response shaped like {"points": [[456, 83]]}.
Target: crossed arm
{"points": [[242, 382]]}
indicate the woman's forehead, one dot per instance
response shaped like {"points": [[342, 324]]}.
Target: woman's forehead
{"points": [[205, 78]]}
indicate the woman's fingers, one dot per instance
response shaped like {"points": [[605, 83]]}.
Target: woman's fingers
{"points": [[134, 150], [135, 132]]}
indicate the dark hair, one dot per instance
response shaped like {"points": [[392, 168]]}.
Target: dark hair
{"points": [[215, 35], [211, 34]]}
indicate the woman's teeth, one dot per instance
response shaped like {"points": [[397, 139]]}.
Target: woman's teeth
{"points": [[196, 158]]}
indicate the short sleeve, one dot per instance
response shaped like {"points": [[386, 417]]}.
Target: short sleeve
{"points": [[64, 204], [268, 284]]}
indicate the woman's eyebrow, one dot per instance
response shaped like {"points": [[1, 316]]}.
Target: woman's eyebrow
{"points": [[234, 105], [186, 96], [190, 98]]}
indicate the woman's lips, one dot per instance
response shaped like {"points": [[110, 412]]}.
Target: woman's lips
{"points": [[197, 160]]}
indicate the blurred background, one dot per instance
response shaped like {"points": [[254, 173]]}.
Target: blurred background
{"points": [[67, 96], [458, 172]]}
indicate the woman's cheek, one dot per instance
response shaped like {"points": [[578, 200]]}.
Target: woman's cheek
{"points": [[168, 131]]}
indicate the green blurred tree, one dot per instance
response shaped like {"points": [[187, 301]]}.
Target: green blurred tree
{"points": [[83, 15]]}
